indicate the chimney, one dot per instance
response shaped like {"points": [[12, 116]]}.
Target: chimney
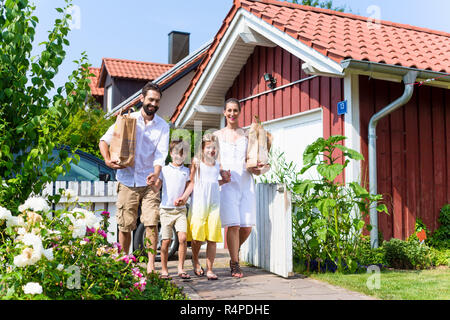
{"points": [[178, 46]]}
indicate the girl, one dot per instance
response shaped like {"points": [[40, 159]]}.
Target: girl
{"points": [[204, 216]]}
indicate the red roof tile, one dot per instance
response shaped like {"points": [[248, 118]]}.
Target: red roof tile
{"points": [[95, 90], [129, 69], [341, 36]]}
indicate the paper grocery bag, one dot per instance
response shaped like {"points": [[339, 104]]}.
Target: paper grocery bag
{"points": [[123, 143], [259, 143]]}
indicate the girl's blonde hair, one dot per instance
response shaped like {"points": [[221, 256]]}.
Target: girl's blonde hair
{"points": [[209, 137]]}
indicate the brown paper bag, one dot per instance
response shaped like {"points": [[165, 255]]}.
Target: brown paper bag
{"points": [[259, 143], [123, 143]]}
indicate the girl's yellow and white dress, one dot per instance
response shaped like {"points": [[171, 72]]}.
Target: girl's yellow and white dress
{"points": [[204, 214]]}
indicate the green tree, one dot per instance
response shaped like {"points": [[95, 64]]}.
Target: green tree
{"points": [[327, 4], [86, 128], [30, 120]]}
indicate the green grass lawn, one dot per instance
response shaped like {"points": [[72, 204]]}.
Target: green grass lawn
{"points": [[433, 284]]}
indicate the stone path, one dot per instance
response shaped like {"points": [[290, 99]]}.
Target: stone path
{"points": [[257, 284]]}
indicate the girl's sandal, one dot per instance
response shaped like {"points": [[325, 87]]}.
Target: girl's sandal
{"points": [[200, 273], [212, 276], [165, 277], [236, 270]]}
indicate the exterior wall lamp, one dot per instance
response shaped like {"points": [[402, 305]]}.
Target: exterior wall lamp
{"points": [[270, 80]]}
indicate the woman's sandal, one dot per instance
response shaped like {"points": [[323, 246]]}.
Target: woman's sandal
{"points": [[236, 270]]}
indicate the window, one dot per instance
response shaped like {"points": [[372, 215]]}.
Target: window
{"points": [[108, 99]]}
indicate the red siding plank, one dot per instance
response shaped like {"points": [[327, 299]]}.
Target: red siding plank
{"points": [[295, 75], [325, 105], [278, 70], [447, 140], [286, 78], [426, 160], [270, 97], [439, 146], [248, 91], [255, 83], [262, 85], [315, 93], [397, 162], [242, 95], [384, 171], [304, 92], [412, 163]]}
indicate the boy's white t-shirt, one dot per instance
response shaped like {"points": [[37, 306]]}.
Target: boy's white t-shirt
{"points": [[174, 182]]}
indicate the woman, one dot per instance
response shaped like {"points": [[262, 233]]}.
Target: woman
{"points": [[237, 198]]}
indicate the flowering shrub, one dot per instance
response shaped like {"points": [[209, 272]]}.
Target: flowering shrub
{"points": [[64, 254]]}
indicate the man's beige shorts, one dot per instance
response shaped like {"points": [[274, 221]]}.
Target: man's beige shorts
{"points": [[128, 199], [170, 218]]}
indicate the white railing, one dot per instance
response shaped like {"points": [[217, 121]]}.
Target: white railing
{"points": [[270, 244]]}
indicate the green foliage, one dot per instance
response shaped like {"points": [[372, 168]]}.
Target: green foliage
{"points": [[86, 128], [441, 237], [327, 4], [366, 255], [401, 254], [30, 120], [65, 253], [329, 216], [281, 171]]}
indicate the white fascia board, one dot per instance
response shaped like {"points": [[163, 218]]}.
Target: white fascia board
{"points": [[294, 46], [209, 109], [241, 22], [352, 126], [222, 51]]}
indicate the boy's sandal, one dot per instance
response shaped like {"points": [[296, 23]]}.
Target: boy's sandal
{"points": [[212, 276], [165, 277], [184, 276], [236, 270], [200, 273]]}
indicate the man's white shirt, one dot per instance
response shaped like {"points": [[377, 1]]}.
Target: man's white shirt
{"points": [[152, 147]]}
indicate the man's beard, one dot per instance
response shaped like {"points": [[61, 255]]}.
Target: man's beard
{"points": [[148, 111]]}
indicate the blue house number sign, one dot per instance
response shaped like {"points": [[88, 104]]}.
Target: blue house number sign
{"points": [[342, 107]]}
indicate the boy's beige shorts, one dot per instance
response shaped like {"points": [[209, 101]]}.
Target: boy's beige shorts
{"points": [[170, 218]]}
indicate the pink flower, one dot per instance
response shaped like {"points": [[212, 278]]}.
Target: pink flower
{"points": [[89, 231], [102, 233], [141, 285], [137, 273], [118, 246], [105, 214]]}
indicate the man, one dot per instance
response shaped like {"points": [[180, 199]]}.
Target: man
{"points": [[138, 183]]}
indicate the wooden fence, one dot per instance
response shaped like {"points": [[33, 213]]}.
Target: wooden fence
{"points": [[270, 243]]}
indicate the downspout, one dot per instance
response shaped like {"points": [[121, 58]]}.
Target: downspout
{"points": [[409, 80]]}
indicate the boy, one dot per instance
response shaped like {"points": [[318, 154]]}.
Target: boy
{"points": [[174, 178]]}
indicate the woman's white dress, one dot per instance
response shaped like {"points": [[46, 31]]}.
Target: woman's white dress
{"points": [[237, 198]]}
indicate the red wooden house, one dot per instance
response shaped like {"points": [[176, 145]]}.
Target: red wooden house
{"points": [[319, 58]]}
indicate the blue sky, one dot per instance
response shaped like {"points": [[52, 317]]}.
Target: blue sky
{"points": [[138, 29]]}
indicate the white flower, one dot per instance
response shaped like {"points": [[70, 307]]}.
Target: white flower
{"points": [[83, 219], [32, 288], [5, 214], [35, 204], [60, 267], [30, 256], [70, 195], [15, 222], [48, 253]]}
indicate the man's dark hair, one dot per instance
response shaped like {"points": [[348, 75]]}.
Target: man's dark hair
{"points": [[151, 86], [232, 100]]}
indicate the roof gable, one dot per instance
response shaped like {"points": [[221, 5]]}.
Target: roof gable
{"points": [[332, 35], [130, 69]]}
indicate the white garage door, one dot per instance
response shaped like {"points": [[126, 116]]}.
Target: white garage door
{"points": [[293, 134]]}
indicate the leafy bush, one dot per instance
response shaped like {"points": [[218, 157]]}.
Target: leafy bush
{"points": [[366, 255], [86, 128], [64, 254], [440, 257], [329, 216], [31, 121], [441, 237], [407, 254]]}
